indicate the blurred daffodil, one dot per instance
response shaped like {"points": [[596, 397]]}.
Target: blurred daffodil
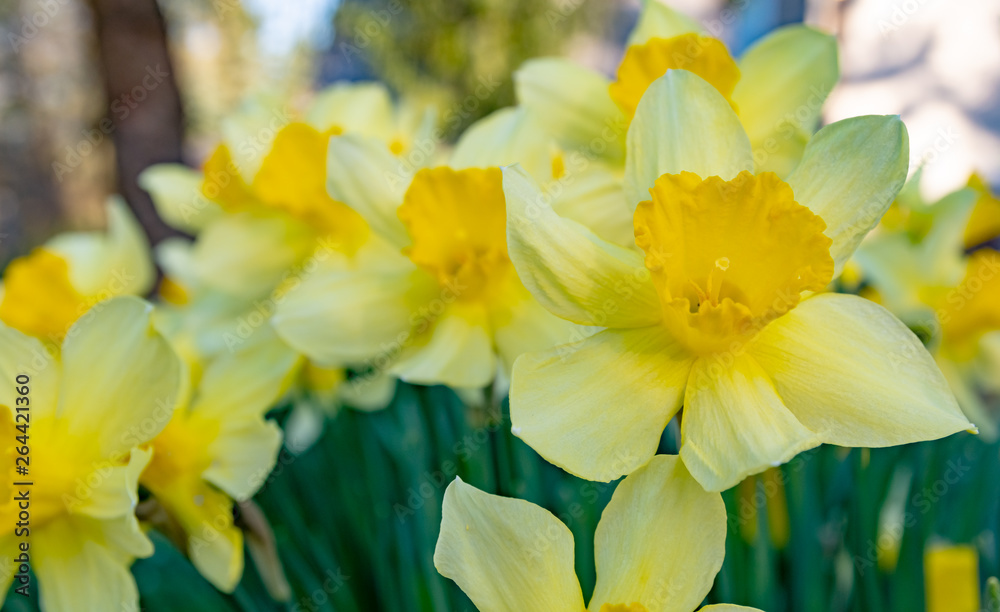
{"points": [[259, 206], [984, 221], [951, 578], [444, 303], [216, 450], [918, 267], [91, 410], [46, 291], [724, 315], [658, 546], [777, 88]]}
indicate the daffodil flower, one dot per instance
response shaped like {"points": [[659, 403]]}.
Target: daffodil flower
{"points": [[447, 303], [777, 88], [658, 546], [46, 291], [724, 314], [112, 388], [259, 206], [218, 449]]}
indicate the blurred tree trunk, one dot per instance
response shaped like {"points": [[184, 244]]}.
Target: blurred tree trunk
{"points": [[144, 104]]}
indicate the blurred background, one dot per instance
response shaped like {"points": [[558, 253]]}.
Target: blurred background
{"points": [[93, 91]]}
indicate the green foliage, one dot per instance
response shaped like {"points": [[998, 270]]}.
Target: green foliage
{"points": [[459, 52]]}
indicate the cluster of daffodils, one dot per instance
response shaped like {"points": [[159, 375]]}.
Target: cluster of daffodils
{"points": [[614, 253]]}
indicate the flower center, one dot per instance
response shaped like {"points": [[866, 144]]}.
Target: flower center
{"points": [[728, 257], [457, 220], [707, 57]]}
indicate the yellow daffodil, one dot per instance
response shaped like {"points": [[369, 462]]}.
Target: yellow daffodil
{"points": [[921, 273], [259, 206], [446, 303], [658, 547], [45, 292], [112, 388], [777, 88], [722, 312], [216, 450]]}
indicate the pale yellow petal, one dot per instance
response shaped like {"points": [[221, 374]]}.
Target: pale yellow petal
{"points": [[573, 104], [365, 108], [507, 136], [659, 20], [572, 272], [458, 351], [508, 555], [214, 545], [683, 124], [735, 424], [244, 384], [120, 377], [247, 255], [243, 454], [111, 491], [176, 193], [340, 316], [116, 261], [76, 573], [851, 372], [593, 197], [849, 175], [660, 541], [22, 355], [597, 408], [784, 81], [365, 175], [218, 555], [525, 326]]}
